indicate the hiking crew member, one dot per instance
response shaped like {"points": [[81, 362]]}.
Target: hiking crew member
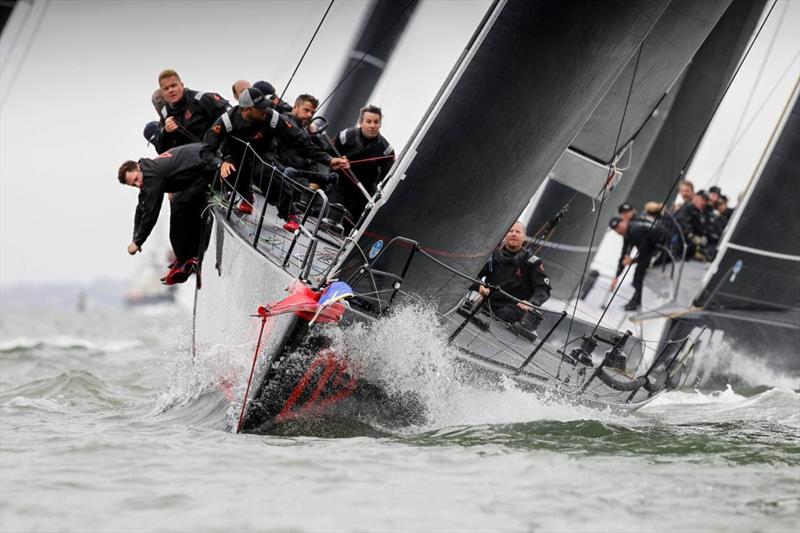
{"points": [[181, 170], [700, 227], [187, 113], [253, 122], [299, 167], [647, 238], [362, 142], [268, 90], [517, 272], [724, 213]]}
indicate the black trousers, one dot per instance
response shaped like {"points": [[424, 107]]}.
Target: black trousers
{"points": [[186, 208], [642, 264], [507, 311], [277, 190]]}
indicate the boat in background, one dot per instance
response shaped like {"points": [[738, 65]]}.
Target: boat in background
{"points": [[147, 288]]}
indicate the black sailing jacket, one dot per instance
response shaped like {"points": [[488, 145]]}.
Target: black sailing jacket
{"points": [[352, 144], [195, 113], [172, 171], [231, 131], [520, 274]]}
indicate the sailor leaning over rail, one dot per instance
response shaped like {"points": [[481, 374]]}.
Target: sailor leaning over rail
{"points": [[517, 272], [179, 169], [253, 123], [648, 238]]}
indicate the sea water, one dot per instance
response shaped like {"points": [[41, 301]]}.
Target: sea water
{"points": [[105, 425]]}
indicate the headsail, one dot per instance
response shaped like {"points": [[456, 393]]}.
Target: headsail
{"points": [[495, 130], [757, 268]]}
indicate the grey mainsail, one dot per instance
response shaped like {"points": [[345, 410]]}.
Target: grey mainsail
{"points": [[691, 99], [494, 132], [699, 94]]}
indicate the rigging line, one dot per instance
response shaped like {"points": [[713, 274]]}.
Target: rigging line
{"points": [[691, 155], [756, 115], [302, 57], [25, 53], [365, 54], [611, 173], [743, 113]]}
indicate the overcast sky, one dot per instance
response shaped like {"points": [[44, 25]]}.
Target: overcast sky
{"points": [[76, 81]]}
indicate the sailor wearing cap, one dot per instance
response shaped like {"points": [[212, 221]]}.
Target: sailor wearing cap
{"points": [[254, 124]]}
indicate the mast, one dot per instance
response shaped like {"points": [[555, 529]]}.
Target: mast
{"points": [[373, 48]]}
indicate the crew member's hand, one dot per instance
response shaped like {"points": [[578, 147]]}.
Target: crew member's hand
{"points": [[525, 306], [170, 125], [627, 260], [133, 248], [338, 163], [484, 291], [225, 169], [613, 284]]}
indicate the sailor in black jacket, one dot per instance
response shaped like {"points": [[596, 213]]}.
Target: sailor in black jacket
{"points": [[187, 114], [254, 123], [647, 237], [517, 272], [362, 142], [181, 170], [701, 228], [627, 212], [298, 167]]}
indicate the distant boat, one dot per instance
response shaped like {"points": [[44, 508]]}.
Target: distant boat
{"points": [[147, 289]]}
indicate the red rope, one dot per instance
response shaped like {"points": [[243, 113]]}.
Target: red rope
{"points": [[252, 369], [356, 161]]}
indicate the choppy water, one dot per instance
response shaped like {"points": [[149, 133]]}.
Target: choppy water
{"points": [[101, 430]]}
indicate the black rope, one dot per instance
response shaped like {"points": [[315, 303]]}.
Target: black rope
{"points": [[365, 54], [602, 199], [686, 163], [306, 50]]}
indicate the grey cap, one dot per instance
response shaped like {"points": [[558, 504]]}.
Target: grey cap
{"points": [[252, 97]]}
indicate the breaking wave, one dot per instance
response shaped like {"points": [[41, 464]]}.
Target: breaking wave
{"points": [[719, 364], [406, 353]]}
